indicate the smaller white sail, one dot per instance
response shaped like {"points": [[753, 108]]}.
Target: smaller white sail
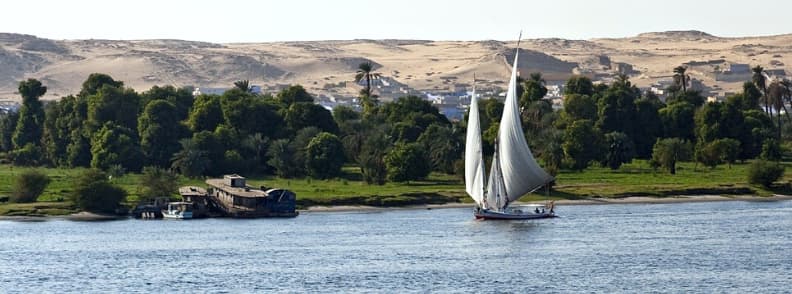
{"points": [[474, 162]]}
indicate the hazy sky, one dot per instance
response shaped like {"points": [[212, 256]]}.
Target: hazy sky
{"points": [[288, 20]]}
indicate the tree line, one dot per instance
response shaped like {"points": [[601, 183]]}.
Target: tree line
{"points": [[109, 126]]}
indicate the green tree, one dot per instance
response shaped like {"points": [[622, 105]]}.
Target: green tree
{"points": [[771, 150], [372, 157], [324, 156], [31, 114], [113, 104], [114, 144], [160, 132], [96, 81], [667, 152], [281, 157], [620, 149], [157, 182], [93, 192], [407, 162], [303, 114], [190, 161], [582, 144], [444, 146], [534, 89], [579, 85], [578, 107], [294, 94], [678, 120], [7, 126], [206, 114], [648, 126], [28, 155], [28, 186], [182, 98]]}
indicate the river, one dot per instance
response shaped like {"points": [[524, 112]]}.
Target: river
{"points": [[729, 246]]}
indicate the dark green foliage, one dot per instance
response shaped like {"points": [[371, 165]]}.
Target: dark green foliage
{"points": [[578, 107], [113, 104], [764, 173], [93, 192], [114, 144], [648, 126], [157, 182], [96, 81], [667, 152], [407, 162], [29, 155], [160, 132], [413, 110], [247, 113], [693, 97], [243, 85], [206, 114], [181, 98], [533, 90], [582, 144], [771, 150], [281, 157], [620, 149], [254, 148], [616, 109], [294, 94], [7, 126], [406, 132], [324, 156], [190, 161], [372, 157], [677, 119], [30, 123], [304, 114], [344, 115], [28, 186], [579, 85], [444, 146]]}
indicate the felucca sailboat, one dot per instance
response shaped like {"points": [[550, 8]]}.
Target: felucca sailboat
{"points": [[514, 171]]}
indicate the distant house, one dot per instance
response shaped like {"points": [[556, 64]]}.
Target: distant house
{"points": [[219, 91], [736, 68], [779, 72]]}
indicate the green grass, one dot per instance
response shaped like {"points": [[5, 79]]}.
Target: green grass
{"points": [[632, 179]]}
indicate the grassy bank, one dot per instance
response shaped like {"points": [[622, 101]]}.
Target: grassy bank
{"points": [[635, 179]]}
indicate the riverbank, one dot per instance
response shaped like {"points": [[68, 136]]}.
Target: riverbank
{"points": [[563, 202]]}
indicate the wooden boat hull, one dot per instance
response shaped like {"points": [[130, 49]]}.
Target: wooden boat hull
{"points": [[493, 215]]}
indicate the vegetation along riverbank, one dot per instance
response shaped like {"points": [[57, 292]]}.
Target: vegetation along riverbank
{"points": [[109, 147]]}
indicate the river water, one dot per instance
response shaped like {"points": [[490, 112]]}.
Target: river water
{"points": [[692, 247]]}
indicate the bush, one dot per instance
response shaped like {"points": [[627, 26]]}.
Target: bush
{"points": [[407, 162], [28, 186], [764, 173], [28, 155], [93, 192]]}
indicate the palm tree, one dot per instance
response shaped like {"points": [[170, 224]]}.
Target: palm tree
{"points": [[243, 85], [681, 78], [760, 81], [366, 71], [775, 95]]}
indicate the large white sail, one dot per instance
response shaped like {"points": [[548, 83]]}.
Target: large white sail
{"points": [[519, 170], [474, 162]]}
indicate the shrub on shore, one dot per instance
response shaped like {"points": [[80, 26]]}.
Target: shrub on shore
{"points": [[764, 172], [93, 192], [28, 186]]}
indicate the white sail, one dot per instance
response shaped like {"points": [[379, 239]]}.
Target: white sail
{"points": [[474, 162], [519, 170]]}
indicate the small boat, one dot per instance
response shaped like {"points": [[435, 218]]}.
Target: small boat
{"points": [[178, 210], [514, 171]]}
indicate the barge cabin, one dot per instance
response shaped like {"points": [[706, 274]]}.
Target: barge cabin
{"points": [[236, 199]]}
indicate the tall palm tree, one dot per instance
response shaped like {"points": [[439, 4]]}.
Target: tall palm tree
{"points": [[760, 81], [775, 95], [681, 78], [366, 71]]}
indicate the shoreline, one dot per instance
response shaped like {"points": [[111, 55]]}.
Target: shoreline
{"points": [[88, 216], [562, 202]]}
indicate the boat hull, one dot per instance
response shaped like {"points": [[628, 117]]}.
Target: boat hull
{"points": [[494, 215], [176, 215]]}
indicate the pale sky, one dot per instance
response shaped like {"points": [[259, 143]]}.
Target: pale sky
{"points": [[295, 20]]}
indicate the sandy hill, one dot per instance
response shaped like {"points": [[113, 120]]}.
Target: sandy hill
{"points": [[328, 67]]}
